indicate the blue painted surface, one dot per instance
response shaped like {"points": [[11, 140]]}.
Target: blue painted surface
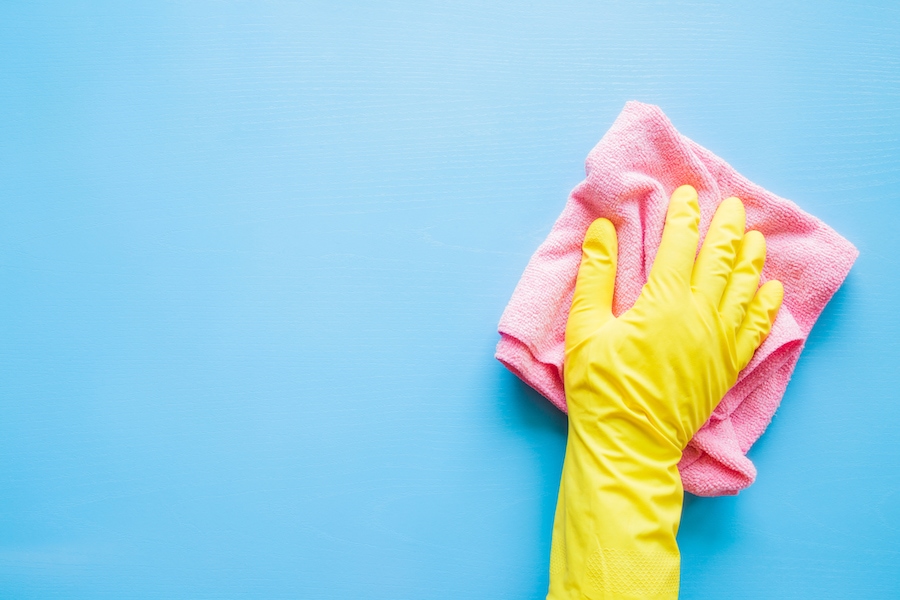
{"points": [[253, 254]]}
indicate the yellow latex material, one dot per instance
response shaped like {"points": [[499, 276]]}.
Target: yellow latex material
{"points": [[639, 386]]}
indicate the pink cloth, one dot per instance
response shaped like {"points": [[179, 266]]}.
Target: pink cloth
{"points": [[630, 175]]}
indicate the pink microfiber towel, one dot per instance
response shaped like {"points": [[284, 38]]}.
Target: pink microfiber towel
{"points": [[630, 175]]}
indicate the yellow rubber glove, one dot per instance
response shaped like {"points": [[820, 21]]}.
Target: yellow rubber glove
{"points": [[639, 386]]}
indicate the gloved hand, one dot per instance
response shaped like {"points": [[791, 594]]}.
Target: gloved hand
{"points": [[639, 386]]}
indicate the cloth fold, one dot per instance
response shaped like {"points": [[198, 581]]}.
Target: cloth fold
{"points": [[630, 175]]}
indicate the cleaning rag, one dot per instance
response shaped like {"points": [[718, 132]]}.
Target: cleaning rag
{"points": [[631, 174]]}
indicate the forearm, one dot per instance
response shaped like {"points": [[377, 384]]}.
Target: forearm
{"points": [[618, 512]]}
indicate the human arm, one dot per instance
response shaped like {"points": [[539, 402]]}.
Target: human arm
{"points": [[639, 386]]}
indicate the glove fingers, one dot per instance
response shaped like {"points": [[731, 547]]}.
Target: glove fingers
{"points": [[744, 279], [592, 302], [680, 236], [716, 259], [757, 323]]}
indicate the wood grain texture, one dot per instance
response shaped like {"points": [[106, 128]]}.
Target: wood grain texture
{"points": [[253, 254]]}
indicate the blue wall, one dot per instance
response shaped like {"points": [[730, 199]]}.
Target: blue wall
{"points": [[253, 254]]}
